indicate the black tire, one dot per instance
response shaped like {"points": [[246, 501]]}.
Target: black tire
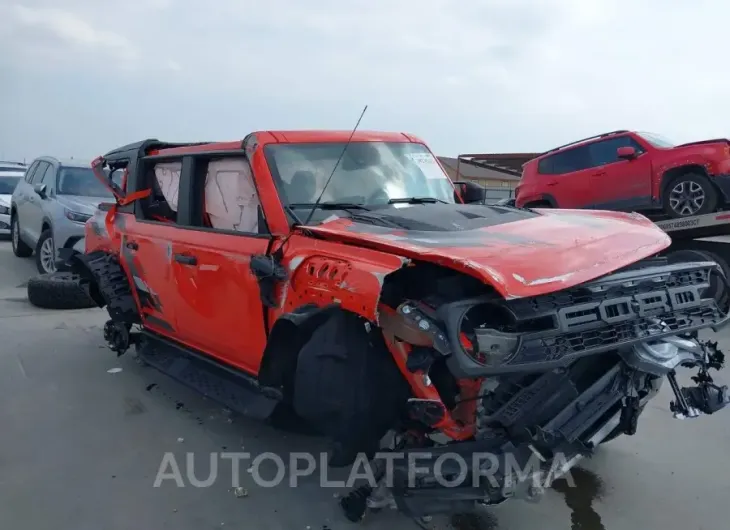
{"points": [[40, 255], [59, 290], [708, 205], [20, 249], [348, 388]]}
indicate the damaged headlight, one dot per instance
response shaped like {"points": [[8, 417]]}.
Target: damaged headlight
{"points": [[485, 334], [483, 331]]}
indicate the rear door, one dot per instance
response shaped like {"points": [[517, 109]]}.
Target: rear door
{"points": [[566, 177], [619, 184], [147, 239]]}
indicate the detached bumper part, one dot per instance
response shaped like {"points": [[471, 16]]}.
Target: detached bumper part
{"points": [[663, 357]]}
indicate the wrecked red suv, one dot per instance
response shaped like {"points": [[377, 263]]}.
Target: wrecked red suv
{"points": [[630, 171], [343, 282]]}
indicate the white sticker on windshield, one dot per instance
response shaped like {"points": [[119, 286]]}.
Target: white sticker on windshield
{"points": [[421, 158], [428, 165]]}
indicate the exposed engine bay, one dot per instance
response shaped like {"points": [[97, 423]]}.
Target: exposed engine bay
{"points": [[461, 329], [557, 374]]}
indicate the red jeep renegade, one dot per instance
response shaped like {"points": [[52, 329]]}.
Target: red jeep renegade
{"points": [[630, 171]]}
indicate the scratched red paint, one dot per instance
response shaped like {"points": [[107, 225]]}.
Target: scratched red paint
{"points": [[573, 244]]}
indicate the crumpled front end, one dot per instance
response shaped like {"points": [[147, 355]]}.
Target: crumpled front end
{"points": [[526, 387]]}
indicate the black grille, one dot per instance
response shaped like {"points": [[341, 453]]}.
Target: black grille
{"points": [[614, 311]]}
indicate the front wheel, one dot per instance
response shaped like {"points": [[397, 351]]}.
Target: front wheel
{"points": [[689, 194], [45, 253]]}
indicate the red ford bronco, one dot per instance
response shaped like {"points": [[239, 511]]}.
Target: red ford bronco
{"points": [[341, 280], [630, 171]]}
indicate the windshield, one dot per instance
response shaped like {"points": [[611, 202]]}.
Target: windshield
{"points": [[80, 181], [7, 184], [656, 140], [369, 174]]}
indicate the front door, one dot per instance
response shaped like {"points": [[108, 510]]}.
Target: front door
{"points": [[619, 184], [219, 308], [219, 305], [36, 212], [28, 206]]}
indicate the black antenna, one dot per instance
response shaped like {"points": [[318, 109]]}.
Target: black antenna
{"points": [[349, 140]]}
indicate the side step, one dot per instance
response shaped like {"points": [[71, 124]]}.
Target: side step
{"points": [[229, 387]]}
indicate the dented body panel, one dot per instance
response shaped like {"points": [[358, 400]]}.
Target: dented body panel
{"points": [[321, 273], [513, 257], [507, 330]]}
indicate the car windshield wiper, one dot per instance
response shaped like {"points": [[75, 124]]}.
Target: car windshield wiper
{"points": [[416, 200], [331, 205]]}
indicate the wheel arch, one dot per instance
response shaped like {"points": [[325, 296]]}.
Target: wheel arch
{"points": [[47, 224], [105, 280], [78, 263], [674, 172]]}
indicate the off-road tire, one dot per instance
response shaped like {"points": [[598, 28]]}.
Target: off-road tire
{"points": [[20, 249], [348, 387], [45, 235], [58, 290], [708, 206]]}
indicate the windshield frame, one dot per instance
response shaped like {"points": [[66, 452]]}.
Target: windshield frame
{"points": [[275, 154], [656, 140]]}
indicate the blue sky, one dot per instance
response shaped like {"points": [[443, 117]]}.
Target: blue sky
{"points": [[79, 77]]}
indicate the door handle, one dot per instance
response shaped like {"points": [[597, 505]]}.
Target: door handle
{"points": [[552, 183], [186, 259], [132, 245], [600, 174]]}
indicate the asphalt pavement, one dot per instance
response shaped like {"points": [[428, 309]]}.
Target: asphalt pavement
{"points": [[83, 435]]}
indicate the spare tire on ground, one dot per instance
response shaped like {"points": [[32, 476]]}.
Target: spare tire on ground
{"points": [[58, 290]]}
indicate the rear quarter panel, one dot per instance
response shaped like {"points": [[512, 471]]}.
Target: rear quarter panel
{"points": [[713, 157]]}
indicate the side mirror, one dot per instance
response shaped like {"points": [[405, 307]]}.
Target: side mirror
{"points": [[471, 192], [40, 189], [626, 153]]}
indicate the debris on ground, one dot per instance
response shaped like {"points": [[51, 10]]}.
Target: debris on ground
{"points": [[114, 370], [240, 492]]}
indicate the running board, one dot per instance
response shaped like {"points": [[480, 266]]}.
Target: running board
{"points": [[231, 388]]}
